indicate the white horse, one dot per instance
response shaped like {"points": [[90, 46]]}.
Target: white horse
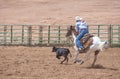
{"points": [[96, 46]]}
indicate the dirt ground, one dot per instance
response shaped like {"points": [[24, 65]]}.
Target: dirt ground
{"points": [[40, 63], [59, 11]]}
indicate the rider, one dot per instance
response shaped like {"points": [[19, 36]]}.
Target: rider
{"points": [[81, 29]]}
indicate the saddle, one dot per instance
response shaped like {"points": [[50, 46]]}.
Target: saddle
{"points": [[86, 41]]}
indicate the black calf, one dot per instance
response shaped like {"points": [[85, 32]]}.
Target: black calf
{"points": [[62, 52]]}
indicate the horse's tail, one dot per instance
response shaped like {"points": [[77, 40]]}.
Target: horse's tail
{"points": [[69, 52]]}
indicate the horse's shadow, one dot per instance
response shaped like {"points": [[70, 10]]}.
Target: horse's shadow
{"points": [[98, 66]]}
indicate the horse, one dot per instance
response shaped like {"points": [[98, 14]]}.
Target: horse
{"points": [[95, 46]]}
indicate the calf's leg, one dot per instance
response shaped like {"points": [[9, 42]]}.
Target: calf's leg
{"points": [[63, 60], [67, 60], [57, 56]]}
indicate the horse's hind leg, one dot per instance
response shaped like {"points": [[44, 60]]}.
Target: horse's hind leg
{"points": [[95, 57]]}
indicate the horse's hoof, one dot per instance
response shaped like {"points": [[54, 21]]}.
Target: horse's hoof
{"points": [[81, 62], [74, 61]]}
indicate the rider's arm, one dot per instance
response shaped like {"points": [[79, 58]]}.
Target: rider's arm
{"points": [[77, 27]]}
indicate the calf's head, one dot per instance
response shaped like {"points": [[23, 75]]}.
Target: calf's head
{"points": [[54, 49]]}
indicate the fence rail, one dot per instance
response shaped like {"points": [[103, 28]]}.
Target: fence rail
{"points": [[47, 35]]}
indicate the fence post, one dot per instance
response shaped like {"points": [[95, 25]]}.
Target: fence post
{"points": [[59, 35], [48, 35], [40, 34], [119, 34], [110, 35], [5, 32], [11, 34], [98, 30], [22, 34], [29, 35]]}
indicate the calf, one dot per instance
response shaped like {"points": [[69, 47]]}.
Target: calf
{"points": [[62, 52]]}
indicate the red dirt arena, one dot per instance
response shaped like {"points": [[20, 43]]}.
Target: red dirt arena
{"points": [[40, 63], [20, 62]]}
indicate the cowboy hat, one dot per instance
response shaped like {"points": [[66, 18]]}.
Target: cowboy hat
{"points": [[78, 18]]}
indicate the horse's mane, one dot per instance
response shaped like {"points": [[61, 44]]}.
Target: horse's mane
{"points": [[72, 28]]}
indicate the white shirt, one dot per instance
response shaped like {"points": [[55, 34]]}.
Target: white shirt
{"points": [[80, 25]]}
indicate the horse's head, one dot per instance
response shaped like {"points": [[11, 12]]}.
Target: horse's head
{"points": [[69, 31]]}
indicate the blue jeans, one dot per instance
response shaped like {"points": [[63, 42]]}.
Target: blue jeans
{"points": [[80, 35]]}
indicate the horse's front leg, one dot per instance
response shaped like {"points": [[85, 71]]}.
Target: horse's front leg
{"points": [[75, 55], [87, 54], [85, 58]]}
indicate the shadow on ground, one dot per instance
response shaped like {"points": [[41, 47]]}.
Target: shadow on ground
{"points": [[98, 66]]}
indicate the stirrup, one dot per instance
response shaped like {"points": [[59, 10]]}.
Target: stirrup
{"points": [[81, 50]]}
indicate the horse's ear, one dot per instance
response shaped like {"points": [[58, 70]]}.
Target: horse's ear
{"points": [[53, 47], [71, 27]]}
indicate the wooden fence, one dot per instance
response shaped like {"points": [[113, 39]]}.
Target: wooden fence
{"points": [[47, 35]]}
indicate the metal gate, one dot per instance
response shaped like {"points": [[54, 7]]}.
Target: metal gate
{"points": [[47, 35]]}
